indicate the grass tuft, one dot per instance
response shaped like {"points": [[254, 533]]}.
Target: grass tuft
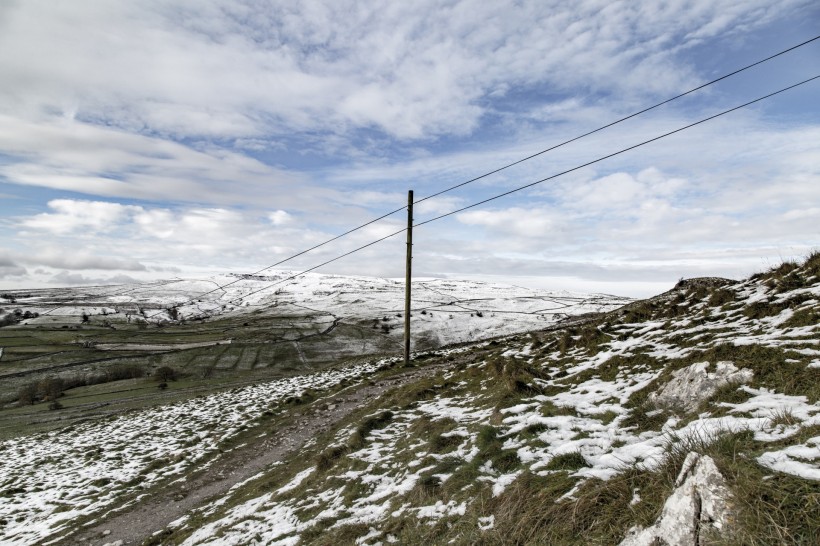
{"points": [[567, 461]]}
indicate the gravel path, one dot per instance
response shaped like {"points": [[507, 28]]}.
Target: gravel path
{"points": [[139, 522]]}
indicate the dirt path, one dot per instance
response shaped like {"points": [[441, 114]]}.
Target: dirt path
{"points": [[137, 523]]}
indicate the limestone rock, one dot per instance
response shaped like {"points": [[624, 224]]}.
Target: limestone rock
{"points": [[700, 505], [690, 385]]}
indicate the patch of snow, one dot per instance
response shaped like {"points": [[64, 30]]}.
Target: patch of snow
{"points": [[802, 460], [296, 481], [486, 523], [440, 510], [502, 482]]}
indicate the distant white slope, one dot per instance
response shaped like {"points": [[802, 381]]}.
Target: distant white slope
{"points": [[445, 311]]}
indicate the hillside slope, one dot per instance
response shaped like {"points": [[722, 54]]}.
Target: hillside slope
{"points": [[577, 436], [694, 414]]}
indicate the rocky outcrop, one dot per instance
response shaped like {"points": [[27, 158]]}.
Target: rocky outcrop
{"points": [[699, 507], [691, 385]]}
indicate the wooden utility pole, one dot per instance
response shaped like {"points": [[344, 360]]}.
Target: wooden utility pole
{"points": [[407, 278]]}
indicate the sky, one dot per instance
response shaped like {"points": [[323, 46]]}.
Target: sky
{"points": [[165, 139]]}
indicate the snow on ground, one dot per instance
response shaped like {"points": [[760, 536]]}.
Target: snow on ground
{"points": [[575, 421], [801, 460], [384, 480], [586, 417], [444, 311], [47, 480]]}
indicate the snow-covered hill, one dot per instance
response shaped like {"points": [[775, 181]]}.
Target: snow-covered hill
{"points": [[444, 311], [694, 415], [708, 396]]}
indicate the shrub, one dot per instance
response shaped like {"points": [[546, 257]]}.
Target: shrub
{"points": [[125, 371], [639, 312], [429, 484], [50, 388], [567, 461], [356, 440], [328, 457], [721, 296], [811, 267], [27, 394], [163, 374], [8, 320]]}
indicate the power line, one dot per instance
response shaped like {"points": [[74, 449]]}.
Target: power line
{"points": [[482, 176], [616, 122], [522, 160], [531, 184], [619, 152], [514, 190]]}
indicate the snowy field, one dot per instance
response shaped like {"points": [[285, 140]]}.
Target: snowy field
{"points": [[48, 480], [444, 311]]}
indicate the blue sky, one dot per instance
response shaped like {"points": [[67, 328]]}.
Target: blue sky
{"points": [[143, 140]]}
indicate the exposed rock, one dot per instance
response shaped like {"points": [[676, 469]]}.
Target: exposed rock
{"points": [[693, 384], [700, 506], [709, 282]]}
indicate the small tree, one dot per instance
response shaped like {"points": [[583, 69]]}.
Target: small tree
{"points": [[50, 388], [84, 319], [165, 374], [27, 394]]}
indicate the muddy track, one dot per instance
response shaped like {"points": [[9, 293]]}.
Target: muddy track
{"points": [[139, 522]]}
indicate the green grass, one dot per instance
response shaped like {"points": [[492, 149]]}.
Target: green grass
{"points": [[45, 349], [773, 508], [567, 461]]}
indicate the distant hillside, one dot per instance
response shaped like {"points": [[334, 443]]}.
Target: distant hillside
{"points": [[578, 436], [692, 417], [445, 311], [232, 330]]}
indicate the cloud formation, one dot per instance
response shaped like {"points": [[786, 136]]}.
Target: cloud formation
{"points": [[412, 70], [64, 278], [169, 137], [9, 268]]}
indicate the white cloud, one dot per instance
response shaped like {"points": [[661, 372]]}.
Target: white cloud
{"points": [[124, 238], [71, 155], [536, 223], [410, 69], [436, 206], [72, 216], [280, 218]]}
